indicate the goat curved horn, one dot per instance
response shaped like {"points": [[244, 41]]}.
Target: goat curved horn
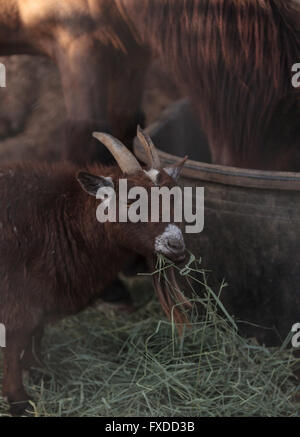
{"points": [[125, 159], [147, 143]]}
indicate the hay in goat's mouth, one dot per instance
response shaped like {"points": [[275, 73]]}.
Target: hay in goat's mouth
{"points": [[173, 302]]}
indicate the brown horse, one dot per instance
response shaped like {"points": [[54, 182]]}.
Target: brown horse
{"points": [[234, 58]]}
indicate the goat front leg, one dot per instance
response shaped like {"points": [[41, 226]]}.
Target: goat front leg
{"points": [[32, 356], [84, 79], [13, 389]]}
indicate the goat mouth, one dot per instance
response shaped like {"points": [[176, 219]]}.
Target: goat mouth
{"points": [[177, 258], [180, 258]]}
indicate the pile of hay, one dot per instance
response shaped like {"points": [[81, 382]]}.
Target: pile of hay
{"points": [[105, 364]]}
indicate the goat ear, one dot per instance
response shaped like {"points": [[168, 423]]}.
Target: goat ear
{"points": [[91, 183], [175, 170]]}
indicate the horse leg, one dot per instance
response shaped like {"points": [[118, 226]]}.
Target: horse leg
{"points": [[126, 86], [83, 70]]}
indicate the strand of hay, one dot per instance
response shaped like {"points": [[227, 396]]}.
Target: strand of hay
{"points": [[172, 300]]}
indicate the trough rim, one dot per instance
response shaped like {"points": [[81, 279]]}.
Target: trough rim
{"points": [[225, 175]]}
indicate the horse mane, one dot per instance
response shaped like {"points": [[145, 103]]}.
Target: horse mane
{"points": [[234, 57]]}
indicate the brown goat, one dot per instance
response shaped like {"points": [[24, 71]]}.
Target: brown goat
{"points": [[55, 257], [233, 58]]}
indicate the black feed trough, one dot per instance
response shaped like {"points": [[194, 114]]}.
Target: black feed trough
{"points": [[251, 235]]}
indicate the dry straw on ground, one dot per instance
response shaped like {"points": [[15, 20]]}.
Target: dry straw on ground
{"points": [[105, 364]]}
